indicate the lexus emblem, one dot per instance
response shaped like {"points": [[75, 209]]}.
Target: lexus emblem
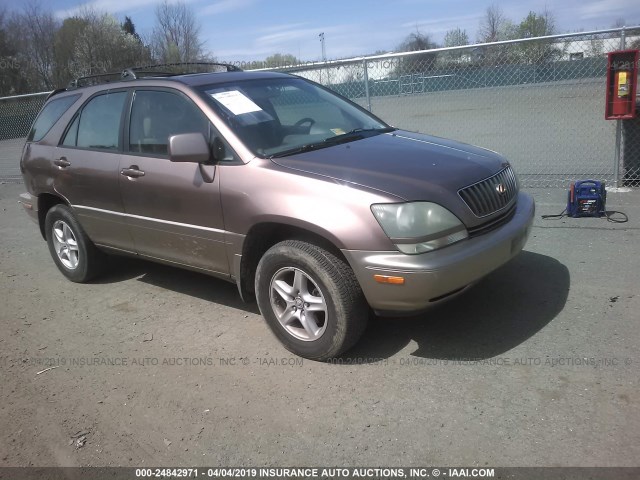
{"points": [[501, 189]]}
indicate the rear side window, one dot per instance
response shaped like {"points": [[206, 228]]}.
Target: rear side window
{"points": [[98, 125], [49, 115]]}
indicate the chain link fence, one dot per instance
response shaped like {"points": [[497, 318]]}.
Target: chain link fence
{"points": [[16, 116], [630, 150], [539, 102]]}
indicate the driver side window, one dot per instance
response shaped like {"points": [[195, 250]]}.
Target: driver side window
{"points": [[157, 115]]}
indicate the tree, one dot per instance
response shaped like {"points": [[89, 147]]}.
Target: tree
{"points": [[493, 25], [619, 23], [417, 63], [33, 32], [280, 60], [102, 46], [38, 52], [456, 37], [538, 25], [129, 27], [176, 35], [65, 49], [11, 82]]}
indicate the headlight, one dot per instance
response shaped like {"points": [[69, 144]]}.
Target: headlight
{"points": [[418, 227]]}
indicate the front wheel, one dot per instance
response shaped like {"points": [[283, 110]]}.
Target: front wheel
{"points": [[311, 299]]}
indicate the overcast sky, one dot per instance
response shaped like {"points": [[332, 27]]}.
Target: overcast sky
{"points": [[236, 30]]}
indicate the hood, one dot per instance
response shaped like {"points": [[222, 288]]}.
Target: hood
{"points": [[408, 165]]}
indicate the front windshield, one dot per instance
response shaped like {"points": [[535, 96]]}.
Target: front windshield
{"points": [[281, 116]]}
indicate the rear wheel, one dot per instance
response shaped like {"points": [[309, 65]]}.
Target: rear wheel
{"points": [[311, 299], [71, 249]]}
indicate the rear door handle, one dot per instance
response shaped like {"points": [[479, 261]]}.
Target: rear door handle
{"points": [[62, 162], [132, 172]]}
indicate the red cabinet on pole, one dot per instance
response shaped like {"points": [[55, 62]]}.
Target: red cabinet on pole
{"points": [[622, 81]]}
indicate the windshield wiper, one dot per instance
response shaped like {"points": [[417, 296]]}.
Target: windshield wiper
{"points": [[303, 148], [349, 136], [366, 130], [327, 142]]}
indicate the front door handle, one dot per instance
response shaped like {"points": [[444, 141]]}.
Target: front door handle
{"points": [[132, 172], [62, 162]]}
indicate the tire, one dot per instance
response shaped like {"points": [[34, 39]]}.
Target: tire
{"points": [[73, 252], [311, 300]]}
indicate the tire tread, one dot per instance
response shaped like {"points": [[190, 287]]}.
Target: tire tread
{"points": [[350, 297]]}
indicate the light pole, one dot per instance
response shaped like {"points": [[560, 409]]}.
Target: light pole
{"points": [[324, 54]]}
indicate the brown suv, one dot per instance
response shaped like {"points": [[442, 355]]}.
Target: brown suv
{"points": [[273, 182]]}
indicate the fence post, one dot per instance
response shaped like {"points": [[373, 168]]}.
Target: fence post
{"points": [[619, 155], [366, 83]]}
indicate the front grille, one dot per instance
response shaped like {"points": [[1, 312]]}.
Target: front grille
{"points": [[492, 194], [493, 223]]}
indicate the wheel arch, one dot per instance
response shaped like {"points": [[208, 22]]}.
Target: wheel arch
{"points": [[263, 236], [46, 201]]}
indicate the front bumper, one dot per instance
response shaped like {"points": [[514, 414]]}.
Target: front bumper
{"points": [[434, 276]]}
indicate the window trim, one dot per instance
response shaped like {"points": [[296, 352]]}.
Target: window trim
{"points": [[127, 121], [118, 150]]}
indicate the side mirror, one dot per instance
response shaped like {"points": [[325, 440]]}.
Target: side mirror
{"points": [[189, 147]]}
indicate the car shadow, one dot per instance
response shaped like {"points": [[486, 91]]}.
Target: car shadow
{"points": [[502, 311], [187, 282]]}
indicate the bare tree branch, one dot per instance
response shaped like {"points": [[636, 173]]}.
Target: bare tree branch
{"points": [[176, 36], [492, 25]]}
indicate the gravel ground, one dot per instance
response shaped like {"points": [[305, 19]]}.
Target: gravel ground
{"points": [[156, 366], [10, 151]]}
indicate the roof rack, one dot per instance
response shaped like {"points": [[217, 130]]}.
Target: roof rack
{"points": [[133, 73], [95, 79], [55, 92]]}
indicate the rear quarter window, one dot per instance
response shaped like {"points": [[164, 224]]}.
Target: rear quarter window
{"points": [[49, 115]]}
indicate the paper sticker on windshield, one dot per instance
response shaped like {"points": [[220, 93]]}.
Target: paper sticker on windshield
{"points": [[337, 131], [236, 102]]}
